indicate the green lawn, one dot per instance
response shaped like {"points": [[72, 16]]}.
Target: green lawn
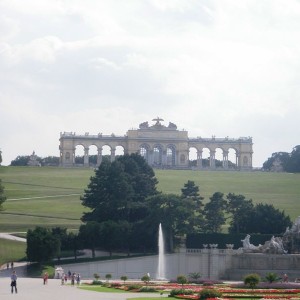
{"points": [[50, 196], [11, 250]]}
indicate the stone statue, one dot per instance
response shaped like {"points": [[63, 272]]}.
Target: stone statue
{"points": [[144, 125], [274, 246], [172, 125]]}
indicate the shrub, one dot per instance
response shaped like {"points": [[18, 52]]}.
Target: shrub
{"points": [[145, 278], [97, 282], [133, 287], [271, 277], [194, 276], [180, 292], [115, 285], [209, 293], [146, 289], [252, 280]]}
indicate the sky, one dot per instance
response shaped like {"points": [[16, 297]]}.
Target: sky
{"points": [[222, 68]]}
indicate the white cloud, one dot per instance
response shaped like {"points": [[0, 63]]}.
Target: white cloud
{"points": [[212, 67]]}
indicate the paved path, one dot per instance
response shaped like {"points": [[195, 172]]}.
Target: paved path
{"points": [[10, 236], [33, 289]]}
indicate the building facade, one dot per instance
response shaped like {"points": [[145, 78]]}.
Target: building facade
{"points": [[161, 146]]}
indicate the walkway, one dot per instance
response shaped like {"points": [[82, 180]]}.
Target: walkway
{"points": [[33, 289]]}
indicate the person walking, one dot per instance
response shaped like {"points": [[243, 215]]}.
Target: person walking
{"points": [[45, 278], [13, 283]]}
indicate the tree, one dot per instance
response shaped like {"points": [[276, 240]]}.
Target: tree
{"points": [[214, 213], [119, 189], [266, 219], [42, 245], [145, 279], [89, 234], [108, 277], [238, 208], [0, 157], [293, 164], [181, 279], [277, 162], [124, 278], [2, 196]]}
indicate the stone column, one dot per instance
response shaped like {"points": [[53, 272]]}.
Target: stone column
{"points": [[164, 157], [86, 157], [113, 154], [199, 159], [212, 159], [73, 156], [151, 157], [99, 157], [225, 159]]}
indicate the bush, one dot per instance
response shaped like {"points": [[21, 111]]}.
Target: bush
{"points": [[146, 289], [271, 277], [180, 292], [209, 293], [97, 282], [115, 285], [182, 279], [133, 287], [252, 280]]}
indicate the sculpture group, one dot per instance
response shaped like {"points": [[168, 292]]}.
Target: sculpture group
{"points": [[273, 246]]}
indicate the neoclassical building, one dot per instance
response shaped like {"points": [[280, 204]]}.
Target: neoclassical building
{"points": [[162, 147]]}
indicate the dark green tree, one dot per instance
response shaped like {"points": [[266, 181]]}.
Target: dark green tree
{"points": [[20, 161], [252, 280], [2, 195], [280, 158], [214, 213], [89, 234], [238, 208], [42, 245], [266, 219], [293, 165], [119, 189], [0, 157]]}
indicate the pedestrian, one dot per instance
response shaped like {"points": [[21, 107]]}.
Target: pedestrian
{"points": [[78, 278], [73, 279], [12, 264], [66, 278], [62, 279], [45, 278], [69, 274], [7, 266], [13, 283]]}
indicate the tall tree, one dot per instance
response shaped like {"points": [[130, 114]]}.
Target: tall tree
{"points": [[214, 213], [266, 219], [239, 209], [2, 196], [119, 189]]}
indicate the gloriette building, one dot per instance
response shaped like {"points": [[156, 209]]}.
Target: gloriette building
{"points": [[162, 147]]}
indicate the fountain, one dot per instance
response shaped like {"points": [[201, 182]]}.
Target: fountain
{"points": [[161, 270]]}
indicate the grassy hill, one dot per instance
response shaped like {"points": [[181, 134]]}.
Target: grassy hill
{"points": [[49, 196]]}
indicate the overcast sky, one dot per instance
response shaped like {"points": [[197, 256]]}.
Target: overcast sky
{"points": [[223, 68]]}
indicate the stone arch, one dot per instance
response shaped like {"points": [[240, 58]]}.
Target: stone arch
{"points": [[144, 151], [232, 158], [193, 155], [78, 155], [171, 155], [157, 155], [205, 157], [219, 157], [107, 152], [119, 151]]}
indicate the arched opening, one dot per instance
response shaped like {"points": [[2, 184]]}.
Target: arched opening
{"points": [[219, 158], [119, 151], [106, 153], [79, 155], [192, 157], [157, 156], [205, 158], [232, 159], [144, 152], [93, 153], [170, 160]]}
